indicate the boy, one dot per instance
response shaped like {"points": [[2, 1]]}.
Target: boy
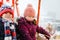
{"points": [[7, 26]]}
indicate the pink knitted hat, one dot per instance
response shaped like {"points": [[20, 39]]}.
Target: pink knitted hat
{"points": [[29, 11]]}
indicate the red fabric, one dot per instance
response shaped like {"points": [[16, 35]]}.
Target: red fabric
{"points": [[7, 32], [1, 2], [13, 33]]}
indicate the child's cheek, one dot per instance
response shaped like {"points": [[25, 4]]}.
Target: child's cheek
{"points": [[29, 18], [4, 16]]}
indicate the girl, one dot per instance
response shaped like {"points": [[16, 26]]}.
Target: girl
{"points": [[27, 27]]}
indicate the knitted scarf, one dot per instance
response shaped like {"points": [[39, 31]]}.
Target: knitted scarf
{"points": [[9, 30]]}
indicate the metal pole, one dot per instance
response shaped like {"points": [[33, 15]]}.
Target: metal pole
{"points": [[12, 2], [17, 9], [1, 2], [38, 11]]}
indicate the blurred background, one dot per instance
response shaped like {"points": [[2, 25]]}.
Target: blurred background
{"points": [[49, 17]]}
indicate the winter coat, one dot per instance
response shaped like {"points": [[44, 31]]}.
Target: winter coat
{"points": [[1, 30], [2, 34], [27, 30]]}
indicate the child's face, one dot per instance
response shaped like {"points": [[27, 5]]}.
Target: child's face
{"points": [[7, 16], [29, 18]]}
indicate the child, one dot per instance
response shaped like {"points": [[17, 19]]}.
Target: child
{"points": [[27, 27], [7, 28]]}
